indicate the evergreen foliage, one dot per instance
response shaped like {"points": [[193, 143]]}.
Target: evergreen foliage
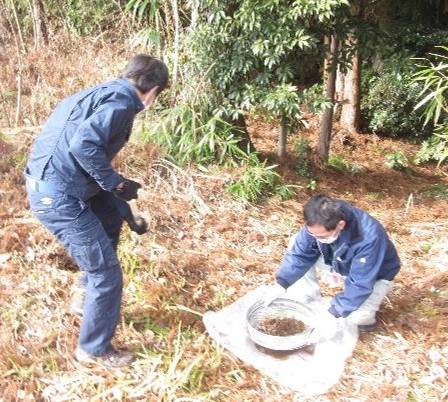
{"points": [[255, 51], [390, 96], [433, 73]]}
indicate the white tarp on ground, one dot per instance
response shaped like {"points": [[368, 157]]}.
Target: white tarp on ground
{"points": [[302, 371]]}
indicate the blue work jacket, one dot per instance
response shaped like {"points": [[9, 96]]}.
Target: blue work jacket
{"points": [[81, 137], [363, 253]]}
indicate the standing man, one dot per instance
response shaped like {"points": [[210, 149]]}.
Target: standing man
{"points": [[349, 245], [72, 190]]}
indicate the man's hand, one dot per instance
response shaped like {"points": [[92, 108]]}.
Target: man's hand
{"points": [[127, 190], [137, 224], [273, 292]]}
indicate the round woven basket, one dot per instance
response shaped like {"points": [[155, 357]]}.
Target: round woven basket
{"points": [[279, 308]]}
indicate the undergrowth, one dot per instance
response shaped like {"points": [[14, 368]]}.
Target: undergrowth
{"points": [[258, 180], [438, 190], [189, 132], [339, 163]]}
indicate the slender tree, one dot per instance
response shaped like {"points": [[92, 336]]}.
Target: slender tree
{"points": [[351, 94], [39, 23], [326, 123]]}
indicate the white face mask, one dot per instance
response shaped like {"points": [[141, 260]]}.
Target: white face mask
{"points": [[330, 239]]}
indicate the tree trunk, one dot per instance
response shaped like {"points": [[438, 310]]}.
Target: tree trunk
{"points": [[194, 15], [327, 44], [240, 131], [19, 29], [351, 110], [6, 25], [350, 113], [41, 33], [281, 151], [339, 93], [326, 123]]}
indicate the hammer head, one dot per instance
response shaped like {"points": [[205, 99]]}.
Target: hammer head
{"points": [[130, 214]]}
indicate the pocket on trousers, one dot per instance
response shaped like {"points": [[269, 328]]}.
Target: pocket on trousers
{"points": [[42, 203], [91, 255], [61, 203]]}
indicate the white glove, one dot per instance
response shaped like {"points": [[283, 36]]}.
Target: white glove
{"points": [[273, 292], [327, 325]]}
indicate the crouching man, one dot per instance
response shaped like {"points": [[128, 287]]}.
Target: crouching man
{"points": [[347, 244]]}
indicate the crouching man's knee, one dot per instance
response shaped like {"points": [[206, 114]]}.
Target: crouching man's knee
{"points": [[366, 313]]}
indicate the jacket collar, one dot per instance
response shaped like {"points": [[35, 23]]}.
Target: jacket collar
{"points": [[133, 92], [351, 232]]}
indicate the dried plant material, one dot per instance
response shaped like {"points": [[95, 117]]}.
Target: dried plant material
{"points": [[193, 259], [281, 326]]}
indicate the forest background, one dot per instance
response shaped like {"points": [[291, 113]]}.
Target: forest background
{"points": [[269, 102]]}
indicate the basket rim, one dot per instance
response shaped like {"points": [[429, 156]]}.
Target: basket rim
{"points": [[295, 341]]}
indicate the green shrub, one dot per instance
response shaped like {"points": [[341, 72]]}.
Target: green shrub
{"points": [[337, 162], [257, 181], [85, 17], [418, 40], [302, 149], [315, 99], [436, 147], [312, 184], [433, 73], [387, 107], [397, 160]]}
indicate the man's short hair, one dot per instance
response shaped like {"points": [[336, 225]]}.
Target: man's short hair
{"points": [[147, 72], [323, 210]]}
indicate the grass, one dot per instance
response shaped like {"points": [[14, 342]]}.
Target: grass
{"points": [[375, 196], [437, 191], [339, 163]]}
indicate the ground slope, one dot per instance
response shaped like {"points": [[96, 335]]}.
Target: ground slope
{"points": [[204, 251]]}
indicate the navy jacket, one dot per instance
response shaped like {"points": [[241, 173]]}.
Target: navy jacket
{"points": [[82, 136], [363, 253]]}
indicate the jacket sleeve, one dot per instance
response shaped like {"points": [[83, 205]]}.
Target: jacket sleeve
{"points": [[364, 270], [299, 258], [88, 145]]}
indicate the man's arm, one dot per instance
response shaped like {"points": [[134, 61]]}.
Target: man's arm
{"points": [[88, 145], [298, 259], [359, 284]]}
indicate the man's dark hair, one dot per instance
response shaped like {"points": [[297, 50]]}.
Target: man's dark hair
{"points": [[147, 72], [323, 210]]}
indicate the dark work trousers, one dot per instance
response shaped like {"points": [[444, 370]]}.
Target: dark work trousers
{"points": [[89, 231]]}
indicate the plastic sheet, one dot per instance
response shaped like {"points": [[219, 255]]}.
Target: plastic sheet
{"points": [[307, 373]]}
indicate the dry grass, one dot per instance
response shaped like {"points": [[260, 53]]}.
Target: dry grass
{"points": [[203, 251], [32, 82]]}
